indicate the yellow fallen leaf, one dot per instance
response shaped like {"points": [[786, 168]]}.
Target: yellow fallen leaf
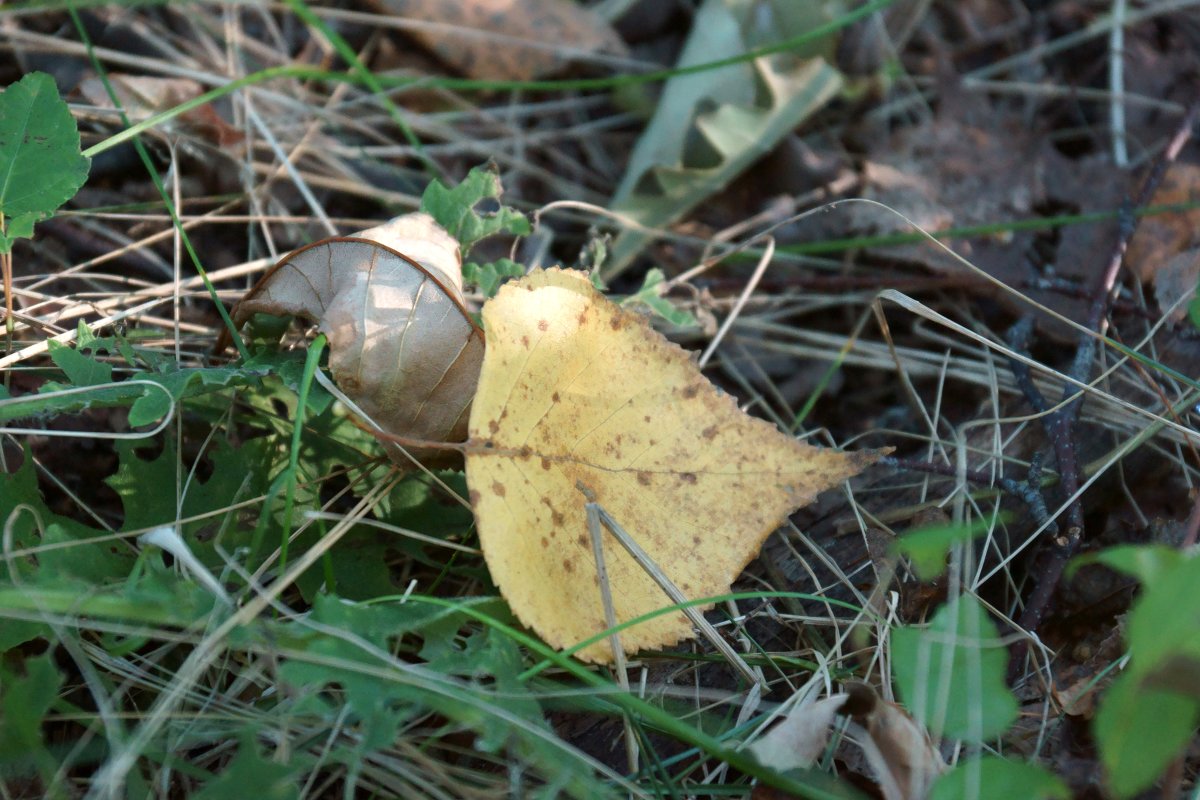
{"points": [[573, 389]]}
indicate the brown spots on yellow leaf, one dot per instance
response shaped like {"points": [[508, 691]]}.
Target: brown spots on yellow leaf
{"points": [[473, 496], [498, 488], [543, 325], [585, 418], [494, 426], [545, 542], [525, 342]]}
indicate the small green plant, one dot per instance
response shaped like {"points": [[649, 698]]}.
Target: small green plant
{"points": [[41, 166], [950, 675], [1151, 710], [454, 209]]}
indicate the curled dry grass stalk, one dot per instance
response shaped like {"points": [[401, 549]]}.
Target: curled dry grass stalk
{"points": [[153, 682]]}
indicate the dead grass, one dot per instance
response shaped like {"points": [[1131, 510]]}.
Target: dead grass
{"points": [[277, 164]]}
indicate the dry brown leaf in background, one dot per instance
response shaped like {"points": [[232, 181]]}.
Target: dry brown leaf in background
{"points": [[551, 27], [903, 757], [575, 389], [1160, 237], [142, 96], [799, 739], [1175, 283], [401, 343]]}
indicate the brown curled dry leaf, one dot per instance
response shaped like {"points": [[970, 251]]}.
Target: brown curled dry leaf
{"points": [[800, 738], [142, 96], [402, 345], [575, 390], [897, 749]]}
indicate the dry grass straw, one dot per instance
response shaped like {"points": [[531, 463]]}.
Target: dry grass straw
{"points": [[928, 345]]}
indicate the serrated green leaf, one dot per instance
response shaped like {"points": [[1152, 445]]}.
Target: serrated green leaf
{"points": [[183, 383], [927, 547], [650, 296], [705, 131], [49, 402], [26, 697], [488, 277], [1140, 731], [41, 166], [995, 778], [378, 705], [454, 209], [362, 565], [75, 556], [289, 366], [72, 554], [950, 674], [80, 370], [250, 774], [20, 489]]}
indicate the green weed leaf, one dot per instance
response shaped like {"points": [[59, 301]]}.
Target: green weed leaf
{"points": [[41, 166], [148, 492], [71, 555], [454, 209], [994, 778], [651, 296], [488, 277], [1147, 563], [23, 704], [951, 673], [1149, 713], [1165, 622], [1141, 730], [927, 547], [181, 383], [80, 370], [250, 774]]}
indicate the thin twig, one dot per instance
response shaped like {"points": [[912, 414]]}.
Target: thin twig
{"points": [[1027, 491], [1060, 424]]}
